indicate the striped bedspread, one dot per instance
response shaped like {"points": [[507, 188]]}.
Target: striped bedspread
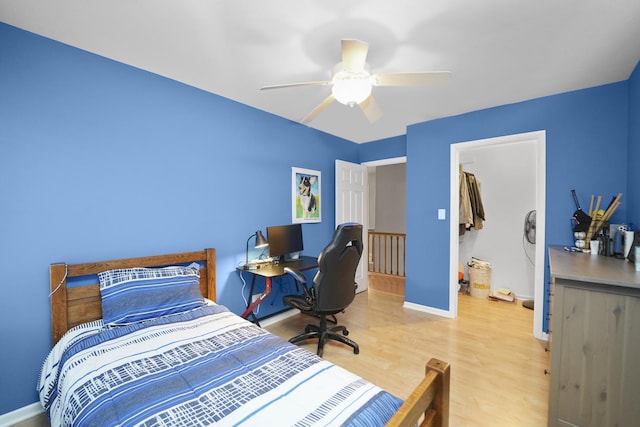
{"points": [[207, 366]]}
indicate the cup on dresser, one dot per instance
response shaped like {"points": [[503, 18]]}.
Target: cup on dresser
{"points": [[595, 247]]}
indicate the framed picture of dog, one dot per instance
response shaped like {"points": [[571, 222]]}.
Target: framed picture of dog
{"points": [[305, 195]]}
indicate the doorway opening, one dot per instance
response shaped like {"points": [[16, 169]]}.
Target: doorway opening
{"points": [[460, 154], [386, 235]]}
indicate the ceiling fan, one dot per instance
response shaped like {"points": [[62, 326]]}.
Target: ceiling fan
{"points": [[352, 81]]}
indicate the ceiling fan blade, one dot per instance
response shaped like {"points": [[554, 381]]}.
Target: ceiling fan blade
{"points": [[354, 55], [316, 83], [410, 79], [371, 109], [324, 104]]}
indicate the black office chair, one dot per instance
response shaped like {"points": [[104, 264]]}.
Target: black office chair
{"points": [[333, 287]]}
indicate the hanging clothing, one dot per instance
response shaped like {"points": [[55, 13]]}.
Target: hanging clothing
{"points": [[476, 201], [465, 211], [471, 210]]}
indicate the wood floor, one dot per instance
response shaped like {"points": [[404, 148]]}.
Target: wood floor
{"points": [[497, 366]]}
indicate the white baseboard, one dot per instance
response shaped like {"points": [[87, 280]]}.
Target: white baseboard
{"points": [[542, 336], [278, 317], [21, 414], [430, 310]]}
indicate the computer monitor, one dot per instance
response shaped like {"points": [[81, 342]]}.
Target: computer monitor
{"points": [[284, 240]]}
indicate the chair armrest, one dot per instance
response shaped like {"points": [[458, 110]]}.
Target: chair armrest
{"points": [[300, 279], [297, 275]]}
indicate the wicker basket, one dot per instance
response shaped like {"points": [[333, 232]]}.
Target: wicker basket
{"points": [[479, 281]]}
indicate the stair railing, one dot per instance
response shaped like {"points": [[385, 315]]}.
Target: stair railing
{"points": [[387, 253]]}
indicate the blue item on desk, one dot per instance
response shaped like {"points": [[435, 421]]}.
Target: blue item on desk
{"points": [[617, 242]]}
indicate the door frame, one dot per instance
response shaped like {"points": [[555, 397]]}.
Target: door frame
{"points": [[539, 139], [385, 162]]}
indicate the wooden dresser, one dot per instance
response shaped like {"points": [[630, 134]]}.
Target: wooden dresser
{"points": [[595, 358]]}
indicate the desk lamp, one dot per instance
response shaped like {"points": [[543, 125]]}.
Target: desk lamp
{"points": [[261, 242]]}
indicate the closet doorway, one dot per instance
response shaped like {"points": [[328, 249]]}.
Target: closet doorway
{"points": [[500, 162]]}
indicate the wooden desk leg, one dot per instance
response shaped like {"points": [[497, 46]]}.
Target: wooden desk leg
{"points": [[263, 295]]}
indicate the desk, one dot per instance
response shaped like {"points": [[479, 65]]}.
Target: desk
{"points": [[268, 271]]}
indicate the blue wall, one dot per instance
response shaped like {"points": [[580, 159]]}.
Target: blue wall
{"points": [[384, 149], [99, 160], [586, 131]]}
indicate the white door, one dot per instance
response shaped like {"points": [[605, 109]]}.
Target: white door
{"points": [[352, 206]]}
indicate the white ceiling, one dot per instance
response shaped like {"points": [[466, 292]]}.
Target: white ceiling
{"points": [[498, 51]]}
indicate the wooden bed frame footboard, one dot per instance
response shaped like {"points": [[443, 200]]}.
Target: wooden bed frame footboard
{"points": [[429, 401], [71, 306]]}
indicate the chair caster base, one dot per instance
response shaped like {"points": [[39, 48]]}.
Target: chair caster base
{"points": [[313, 332]]}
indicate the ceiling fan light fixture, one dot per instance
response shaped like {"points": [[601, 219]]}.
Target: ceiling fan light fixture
{"points": [[351, 92], [351, 88]]}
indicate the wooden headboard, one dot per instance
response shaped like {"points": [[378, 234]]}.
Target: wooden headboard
{"points": [[71, 306]]}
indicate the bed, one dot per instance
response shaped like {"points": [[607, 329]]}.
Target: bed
{"points": [[126, 354]]}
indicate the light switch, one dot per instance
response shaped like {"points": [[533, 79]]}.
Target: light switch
{"points": [[442, 214]]}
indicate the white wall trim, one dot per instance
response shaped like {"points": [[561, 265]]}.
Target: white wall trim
{"points": [[427, 309], [278, 317], [384, 162], [21, 414]]}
